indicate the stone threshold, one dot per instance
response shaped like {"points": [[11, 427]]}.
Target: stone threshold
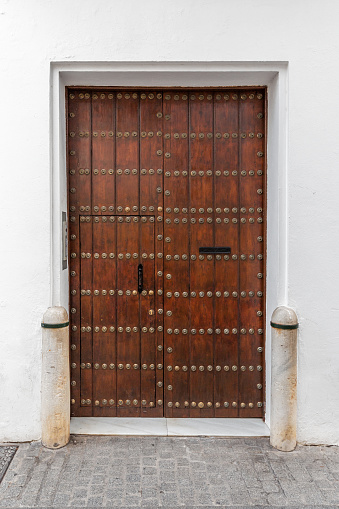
{"points": [[169, 427]]}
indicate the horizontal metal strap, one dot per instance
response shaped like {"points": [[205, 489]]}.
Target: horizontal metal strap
{"points": [[54, 325], [284, 327]]}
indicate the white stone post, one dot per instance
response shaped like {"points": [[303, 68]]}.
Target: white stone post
{"points": [[284, 325], [55, 390]]}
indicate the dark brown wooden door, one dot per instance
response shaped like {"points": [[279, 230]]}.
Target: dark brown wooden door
{"points": [[171, 184]]}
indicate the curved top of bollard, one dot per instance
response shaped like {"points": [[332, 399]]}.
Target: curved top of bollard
{"points": [[284, 316], [55, 315]]}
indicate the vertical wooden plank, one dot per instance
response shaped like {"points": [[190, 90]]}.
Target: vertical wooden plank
{"points": [[74, 283], [148, 318], [151, 152], [86, 348], [103, 152], [252, 129], [128, 317], [176, 255], [226, 178], [79, 127], [104, 319], [201, 218], [159, 304], [151, 202], [79, 199], [127, 153]]}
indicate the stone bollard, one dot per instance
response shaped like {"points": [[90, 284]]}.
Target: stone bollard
{"points": [[284, 325], [55, 390]]}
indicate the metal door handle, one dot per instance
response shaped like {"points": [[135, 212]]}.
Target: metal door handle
{"points": [[140, 277]]}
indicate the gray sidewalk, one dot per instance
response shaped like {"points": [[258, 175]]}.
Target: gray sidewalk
{"points": [[170, 472]]}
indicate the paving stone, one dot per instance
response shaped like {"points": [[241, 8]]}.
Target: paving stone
{"points": [[171, 472]]}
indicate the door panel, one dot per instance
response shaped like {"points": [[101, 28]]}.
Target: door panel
{"points": [[153, 177]]}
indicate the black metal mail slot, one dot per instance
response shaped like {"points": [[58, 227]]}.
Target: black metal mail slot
{"points": [[214, 250]]}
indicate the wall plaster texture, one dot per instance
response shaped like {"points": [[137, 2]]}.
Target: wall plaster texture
{"points": [[37, 33]]}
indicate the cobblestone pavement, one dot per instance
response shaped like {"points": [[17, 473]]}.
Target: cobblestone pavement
{"points": [[171, 472]]}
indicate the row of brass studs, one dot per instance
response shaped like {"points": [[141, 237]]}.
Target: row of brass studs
{"points": [[169, 331], [167, 136], [209, 404], [218, 210], [111, 219], [120, 402], [210, 257], [167, 97], [176, 173], [183, 220], [111, 328], [218, 331], [120, 256], [210, 368], [151, 219], [251, 293], [176, 257], [218, 220], [176, 210], [209, 97], [168, 210], [193, 294], [128, 402], [210, 173], [104, 171], [209, 135], [120, 366], [200, 294], [210, 294], [104, 208], [152, 367], [114, 292]]}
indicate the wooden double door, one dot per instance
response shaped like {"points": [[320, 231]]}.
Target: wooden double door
{"points": [[167, 251]]}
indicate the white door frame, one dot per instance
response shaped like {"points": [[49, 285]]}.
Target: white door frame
{"points": [[274, 75]]}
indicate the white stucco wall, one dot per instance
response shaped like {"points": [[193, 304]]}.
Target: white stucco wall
{"points": [[35, 33]]}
